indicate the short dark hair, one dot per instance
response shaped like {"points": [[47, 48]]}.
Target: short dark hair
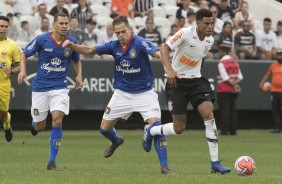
{"points": [[191, 13], [59, 15], [90, 21], [203, 13], [226, 23], [224, 48], [267, 19], [23, 23], [120, 19], [173, 26], [4, 18], [10, 15]]}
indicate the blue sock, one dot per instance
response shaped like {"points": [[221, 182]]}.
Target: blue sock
{"points": [[111, 135], [55, 142], [160, 147]]}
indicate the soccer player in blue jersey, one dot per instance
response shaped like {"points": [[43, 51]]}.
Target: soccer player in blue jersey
{"points": [[49, 87], [133, 84]]}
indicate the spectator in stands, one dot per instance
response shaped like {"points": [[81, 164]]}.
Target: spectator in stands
{"points": [[107, 35], [173, 30], [266, 41], [59, 8], [82, 12], [235, 5], [181, 22], [49, 3], [12, 32], [42, 12], [203, 4], [217, 22], [26, 7], [274, 71], [228, 78], [182, 12], [243, 15], [25, 34], [150, 33], [225, 12], [279, 35], [149, 13], [124, 7], [245, 42], [75, 31], [191, 19], [44, 26], [90, 35], [69, 5], [142, 6]]}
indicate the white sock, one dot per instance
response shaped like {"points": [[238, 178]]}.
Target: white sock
{"points": [[166, 129], [211, 135]]}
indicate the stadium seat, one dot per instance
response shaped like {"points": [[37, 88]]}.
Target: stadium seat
{"points": [[139, 23], [161, 22], [164, 31], [107, 3], [159, 11], [100, 10], [163, 3], [102, 21], [100, 2], [170, 11]]}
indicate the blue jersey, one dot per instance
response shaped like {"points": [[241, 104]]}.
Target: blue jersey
{"points": [[53, 62], [133, 73]]}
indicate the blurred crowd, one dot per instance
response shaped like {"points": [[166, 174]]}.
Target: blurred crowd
{"points": [[156, 20]]}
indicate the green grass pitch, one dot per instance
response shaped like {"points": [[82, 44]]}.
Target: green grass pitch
{"points": [[24, 160]]}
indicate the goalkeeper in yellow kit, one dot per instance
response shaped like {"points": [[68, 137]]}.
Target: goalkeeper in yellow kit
{"points": [[9, 64]]}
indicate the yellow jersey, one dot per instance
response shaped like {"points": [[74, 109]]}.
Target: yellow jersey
{"points": [[9, 54]]}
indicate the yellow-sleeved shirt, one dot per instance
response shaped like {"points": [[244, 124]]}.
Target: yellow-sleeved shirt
{"points": [[9, 54]]}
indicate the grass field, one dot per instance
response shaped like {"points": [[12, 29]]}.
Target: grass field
{"points": [[81, 160]]}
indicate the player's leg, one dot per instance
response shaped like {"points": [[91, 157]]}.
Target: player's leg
{"points": [[59, 106], [206, 111], [118, 107], [5, 116]]}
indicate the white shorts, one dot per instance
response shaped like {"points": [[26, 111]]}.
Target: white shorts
{"points": [[54, 100], [123, 104]]}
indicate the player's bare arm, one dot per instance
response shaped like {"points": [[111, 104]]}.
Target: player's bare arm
{"points": [[22, 73], [171, 74], [78, 70], [81, 49]]}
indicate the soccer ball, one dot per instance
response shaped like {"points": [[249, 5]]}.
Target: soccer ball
{"points": [[245, 166]]}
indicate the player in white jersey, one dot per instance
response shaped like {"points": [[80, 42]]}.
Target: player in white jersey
{"points": [[185, 83]]}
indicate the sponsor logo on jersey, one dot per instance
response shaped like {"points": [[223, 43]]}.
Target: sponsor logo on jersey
{"points": [[177, 36], [48, 49], [31, 45], [145, 44], [55, 62], [124, 67], [4, 54], [133, 53], [2, 64], [118, 53], [187, 61], [36, 112]]}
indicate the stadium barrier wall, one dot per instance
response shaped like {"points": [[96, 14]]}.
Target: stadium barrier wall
{"points": [[87, 104]]}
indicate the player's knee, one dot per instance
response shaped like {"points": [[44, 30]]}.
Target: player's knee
{"points": [[179, 130]]}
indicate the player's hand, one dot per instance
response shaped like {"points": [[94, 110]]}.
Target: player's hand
{"points": [[171, 77], [67, 44], [79, 83], [237, 88], [7, 70], [21, 77]]}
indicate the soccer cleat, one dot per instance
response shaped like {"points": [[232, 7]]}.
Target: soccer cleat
{"points": [[9, 134], [217, 167], [166, 171], [147, 138], [51, 166], [111, 149], [33, 131]]}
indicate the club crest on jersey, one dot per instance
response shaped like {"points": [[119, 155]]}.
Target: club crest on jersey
{"points": [[4, 54], [67, 52], [133, 53]]}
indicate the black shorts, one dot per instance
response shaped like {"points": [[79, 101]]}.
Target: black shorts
{"points": [[195, 90]]}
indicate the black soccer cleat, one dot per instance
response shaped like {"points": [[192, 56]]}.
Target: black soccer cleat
{"points": [[33, 131], [166, 171], [52, 166], [111, 149], [9, 134]]}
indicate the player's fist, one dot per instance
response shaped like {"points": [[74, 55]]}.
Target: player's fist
{"points": [[67, 44]]}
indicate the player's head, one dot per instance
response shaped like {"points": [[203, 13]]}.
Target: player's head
{"points": [[4, 23], [279, 56], [223, 50], [61, 23], [122, 29], [204, 20]]}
